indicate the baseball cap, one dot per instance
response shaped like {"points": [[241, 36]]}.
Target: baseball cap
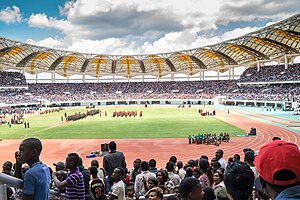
{"points": [[59, 164], [276, 156]]}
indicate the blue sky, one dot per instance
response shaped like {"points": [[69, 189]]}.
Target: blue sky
{"points": [[136, 26]]}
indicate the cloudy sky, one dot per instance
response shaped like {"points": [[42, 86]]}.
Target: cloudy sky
{"points": [[136, 26]]}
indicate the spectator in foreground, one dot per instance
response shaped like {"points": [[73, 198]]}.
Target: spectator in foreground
{"points": [[278, 167], [190, 189], [113, 160], [97, 186], [239, 181], [36, 180], [74, 183], [118, 188]]}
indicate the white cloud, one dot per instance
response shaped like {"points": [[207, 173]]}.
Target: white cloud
{"points": [[10, 15], [152, 26], [47, 42]]}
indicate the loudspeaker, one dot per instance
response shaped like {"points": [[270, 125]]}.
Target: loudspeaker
{"points": [[104, 147], [252, 131]]}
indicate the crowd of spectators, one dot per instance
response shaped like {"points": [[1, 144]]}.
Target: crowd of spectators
{"points": [[272, 174], [12, 79], [62, 92], [273, 73]]}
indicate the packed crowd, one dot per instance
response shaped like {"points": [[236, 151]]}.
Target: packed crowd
{"points": [[12, 79], [271, 74], [272, 174], [62, 92], [160, 90]]}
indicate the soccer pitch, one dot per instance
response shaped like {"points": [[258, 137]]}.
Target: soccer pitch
{"points": [[156, 122]]}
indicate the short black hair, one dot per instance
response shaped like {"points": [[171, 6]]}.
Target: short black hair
{"points": [[112, 146], [249, 156], [93, 170], [170, 166], [208, 193], [95, 163], [144, 166], [34, 143], [187, 185], [239, 180], [173, 159], [74, 157], [152, 163]]}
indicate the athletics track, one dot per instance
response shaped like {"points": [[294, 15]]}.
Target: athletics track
{"points": [[268, 125]]}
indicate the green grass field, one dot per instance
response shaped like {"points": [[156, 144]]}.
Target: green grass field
{"points": [[157, 122]]}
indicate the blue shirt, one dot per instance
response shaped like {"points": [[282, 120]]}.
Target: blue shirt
{"points": [[36, 181], [291, 193]]}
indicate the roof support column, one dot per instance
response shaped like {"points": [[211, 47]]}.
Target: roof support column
{"points": [[229, 73], [218, 75], [68, 79], [258, 66], [232, 74], [286, 65], [143, 78], [83, 78], [52, 77], [172, 76], [113, 78], [36, 78], [188, 77]]}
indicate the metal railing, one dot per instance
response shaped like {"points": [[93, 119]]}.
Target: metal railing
{"points": [[10, 181]]}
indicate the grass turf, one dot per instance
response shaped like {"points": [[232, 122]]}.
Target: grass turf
{"points": [[156, 122]]}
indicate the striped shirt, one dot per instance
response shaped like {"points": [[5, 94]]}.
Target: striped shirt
{"points": [[75, 189]]}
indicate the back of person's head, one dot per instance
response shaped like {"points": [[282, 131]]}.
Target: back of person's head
{"points": [[187, 186], [249, 157], [95, 163], [152, 163], [189, 172], [74, 157], [33, 143], [172, 197], [208, 193], [239, 180], [170, 166], [179, 164], [203, 157], [80, 162], [278, 165], [93, 171], [144, 166], [203, 165], [276, 138], [173, 159], [191, 163], [112, 146]]}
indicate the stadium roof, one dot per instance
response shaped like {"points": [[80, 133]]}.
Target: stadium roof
{"points": [[270, 43]]}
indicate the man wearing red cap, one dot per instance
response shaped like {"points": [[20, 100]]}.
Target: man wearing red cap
{"points": [[278, 167]]}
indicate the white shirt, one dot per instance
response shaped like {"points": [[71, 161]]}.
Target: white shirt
{"points": [[139, 187], [174, 178], [181, 173], [118, 190], [223, 163]]}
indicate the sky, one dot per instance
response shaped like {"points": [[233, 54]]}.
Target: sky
{"points": [[131, 27]]}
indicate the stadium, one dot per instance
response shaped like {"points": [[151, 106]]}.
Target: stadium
{"points": [[150, 104]]}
